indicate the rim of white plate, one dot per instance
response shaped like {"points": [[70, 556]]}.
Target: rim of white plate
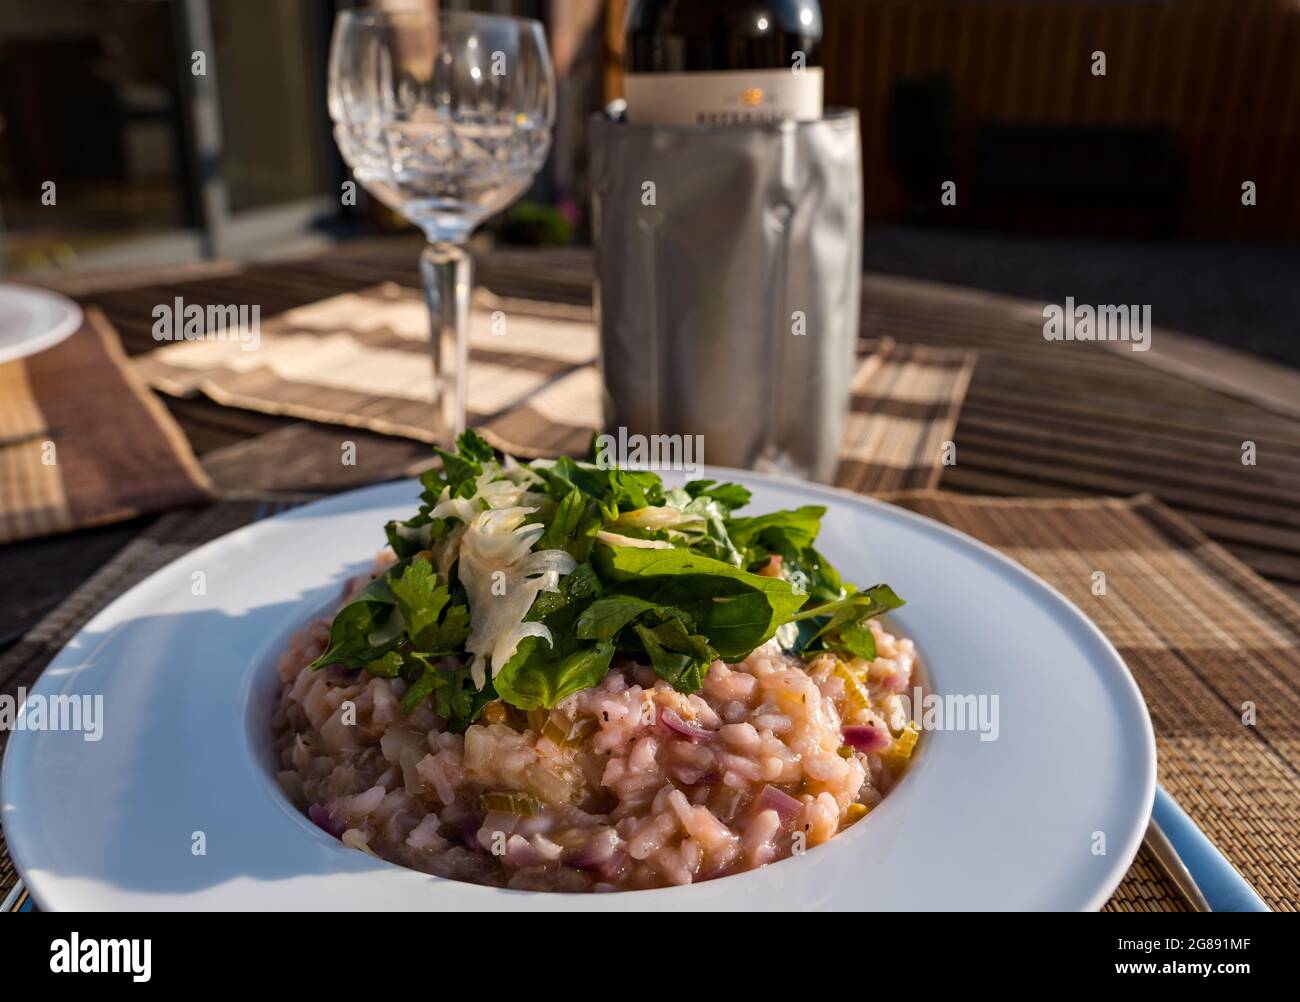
{"points": [[1119, 861], [62, 315]]}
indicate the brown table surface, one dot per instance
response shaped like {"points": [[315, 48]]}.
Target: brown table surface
{"points": [[1040, 418]]}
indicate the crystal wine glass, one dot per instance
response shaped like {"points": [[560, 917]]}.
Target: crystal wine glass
{"points": [[444, 117]]}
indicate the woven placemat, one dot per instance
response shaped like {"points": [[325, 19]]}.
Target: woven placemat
{"points": [[1214, 648], [361, 360], [1202, 633], [83, 442]]}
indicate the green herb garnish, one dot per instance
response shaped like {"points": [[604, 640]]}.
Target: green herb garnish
{"points": [[666, 577]]}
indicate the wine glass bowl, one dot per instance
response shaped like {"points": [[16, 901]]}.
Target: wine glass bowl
{"points": [[445, 118]]}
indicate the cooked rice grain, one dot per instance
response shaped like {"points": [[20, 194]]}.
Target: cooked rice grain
{"points": [[623, 800]]}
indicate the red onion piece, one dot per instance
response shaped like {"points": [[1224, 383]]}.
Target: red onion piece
{"points": [[865, 738], [469, 832], [688, 775], [520, 852], [688, 729], [321, 818], [787, 808], [496, 821], [613, 867], [598, 851]]}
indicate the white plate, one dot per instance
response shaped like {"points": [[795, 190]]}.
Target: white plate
{"points": [[32, 320], [188, 683]]}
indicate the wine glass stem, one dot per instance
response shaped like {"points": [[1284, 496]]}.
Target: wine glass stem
{"points": [[446, 272]]}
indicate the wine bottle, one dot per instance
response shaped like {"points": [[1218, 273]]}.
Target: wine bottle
{"points": [[719, 62]]}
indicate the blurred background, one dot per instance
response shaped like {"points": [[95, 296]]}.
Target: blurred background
{"points": [[1122, 188]]}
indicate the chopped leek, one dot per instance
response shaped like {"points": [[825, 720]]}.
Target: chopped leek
{"points": [[511, 803]]}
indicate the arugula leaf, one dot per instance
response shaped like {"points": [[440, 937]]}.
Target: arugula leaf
{"points": [[462, 468], [735, 610], [450, 634], [630, 489], [454, 696], [606, 616], [823, 580], [389, 666], [420, 599], [560, 610], [857, 605], [675, 652], [790, 534], [611, 489], [842, 625], [534, 678], [573, 527], [474, 446], [416, 534], [565, 475], [718, 543], [857, 639], [680, 658], [362, 630], [730, 496], [796, 529]]}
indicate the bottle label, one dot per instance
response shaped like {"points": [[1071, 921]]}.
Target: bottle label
{"points": [[729, 97]]}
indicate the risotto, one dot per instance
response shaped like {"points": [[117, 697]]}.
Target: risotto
{"points": [[628, 784], [639, 729]]}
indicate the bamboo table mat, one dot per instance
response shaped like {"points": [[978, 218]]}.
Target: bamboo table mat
{"points": [[1040, 419], [360, 360], [83, 442], [1201, 633], [1214, 648]]}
